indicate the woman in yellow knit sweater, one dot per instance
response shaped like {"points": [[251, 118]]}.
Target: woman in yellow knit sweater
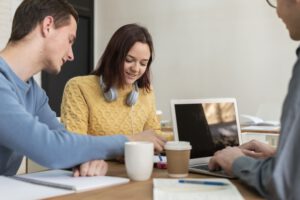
{"points": [[117, 98]]}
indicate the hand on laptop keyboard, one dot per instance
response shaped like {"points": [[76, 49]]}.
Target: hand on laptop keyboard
{"points": [[205, 167], [224, 158]]}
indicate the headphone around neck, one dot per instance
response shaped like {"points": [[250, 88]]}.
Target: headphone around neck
{"points": [[112, 95]]}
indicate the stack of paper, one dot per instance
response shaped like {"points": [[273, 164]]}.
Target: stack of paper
{"points": [[173, 189], [248, 120], [254, 124]]}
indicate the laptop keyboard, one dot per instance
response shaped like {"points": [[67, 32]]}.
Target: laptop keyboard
{"points": [[205, 167]]}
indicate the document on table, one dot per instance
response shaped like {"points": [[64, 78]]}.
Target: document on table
{"points": [[267, 138], [13, 189], [64, 179], [216, 188]]}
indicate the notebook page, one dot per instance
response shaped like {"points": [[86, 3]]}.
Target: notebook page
{"points": [[167, 189], [65, 180]]}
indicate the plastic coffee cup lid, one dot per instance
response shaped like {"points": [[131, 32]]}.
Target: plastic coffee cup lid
{"points": [[178, 145]]}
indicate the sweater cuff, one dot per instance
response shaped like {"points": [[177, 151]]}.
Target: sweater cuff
{"points": [[123, 138], [242, 166]]}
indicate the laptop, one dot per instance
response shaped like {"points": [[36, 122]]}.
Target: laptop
{"points": [[209, 125]]}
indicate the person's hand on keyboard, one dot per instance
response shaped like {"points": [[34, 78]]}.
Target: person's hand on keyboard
{"points": [[256, 149], [224, 158]]}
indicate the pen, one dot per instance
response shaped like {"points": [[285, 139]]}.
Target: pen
{"points": [[203, 182], [161, 164], [160, 158]]}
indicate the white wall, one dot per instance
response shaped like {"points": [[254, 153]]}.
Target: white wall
{"points": [[214, 48], [7, 10], [234, 48]]}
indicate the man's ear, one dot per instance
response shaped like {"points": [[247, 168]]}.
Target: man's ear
{"points": [[46, 25]]}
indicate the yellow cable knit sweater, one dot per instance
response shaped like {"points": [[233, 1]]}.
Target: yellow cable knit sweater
{"points": [[84, 110]]}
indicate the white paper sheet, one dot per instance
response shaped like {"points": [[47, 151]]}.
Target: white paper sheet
{"points": [[171, 189], [18, 190], [64, 179]]}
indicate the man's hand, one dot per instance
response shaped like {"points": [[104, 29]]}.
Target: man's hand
{"points": [[257, 149], [224, 159], [150, 136], [91, 168]]}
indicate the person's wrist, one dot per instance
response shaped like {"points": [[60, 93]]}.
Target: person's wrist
{"points": [[130, 137], [272, 152]]}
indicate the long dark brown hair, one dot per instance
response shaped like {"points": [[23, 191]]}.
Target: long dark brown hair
{"points": [[111, 64]]}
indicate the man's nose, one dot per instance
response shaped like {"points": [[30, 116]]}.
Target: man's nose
{"points": [[70, 55]]}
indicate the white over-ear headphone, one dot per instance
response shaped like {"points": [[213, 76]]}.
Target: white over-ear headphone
{"points": [[112, 95]]}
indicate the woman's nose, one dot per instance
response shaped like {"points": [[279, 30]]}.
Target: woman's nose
{"points": [[134, 66]]}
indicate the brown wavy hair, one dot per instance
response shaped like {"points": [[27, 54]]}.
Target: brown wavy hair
{"points": [[111, 64]]}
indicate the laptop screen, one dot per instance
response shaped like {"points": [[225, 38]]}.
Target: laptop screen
{"points": [[209, 125]]}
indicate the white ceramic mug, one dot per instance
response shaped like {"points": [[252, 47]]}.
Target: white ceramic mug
{"points": [[139, 160]]}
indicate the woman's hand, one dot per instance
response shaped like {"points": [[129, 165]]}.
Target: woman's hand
{"points": [[150, 136]]}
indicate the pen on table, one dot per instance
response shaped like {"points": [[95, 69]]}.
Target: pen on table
{"points": [[216, 183], [161, 164], [160, 158]]}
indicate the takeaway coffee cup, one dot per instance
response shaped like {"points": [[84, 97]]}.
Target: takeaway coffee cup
{"points": [[178, 155], [139, 160]]}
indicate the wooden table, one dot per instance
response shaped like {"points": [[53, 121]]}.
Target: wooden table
{"points": [[140, 190]]}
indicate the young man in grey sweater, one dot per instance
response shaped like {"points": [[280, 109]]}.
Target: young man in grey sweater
{"points": [[274, 174]]}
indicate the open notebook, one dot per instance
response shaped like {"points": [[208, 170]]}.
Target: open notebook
{"points": [[64, 179], [194, 189], [13, 189]]}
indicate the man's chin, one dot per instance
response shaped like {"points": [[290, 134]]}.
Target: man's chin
{"points": [[53, 71]]}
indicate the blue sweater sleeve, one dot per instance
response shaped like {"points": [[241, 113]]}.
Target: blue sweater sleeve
{"points": [[49, 145]]}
